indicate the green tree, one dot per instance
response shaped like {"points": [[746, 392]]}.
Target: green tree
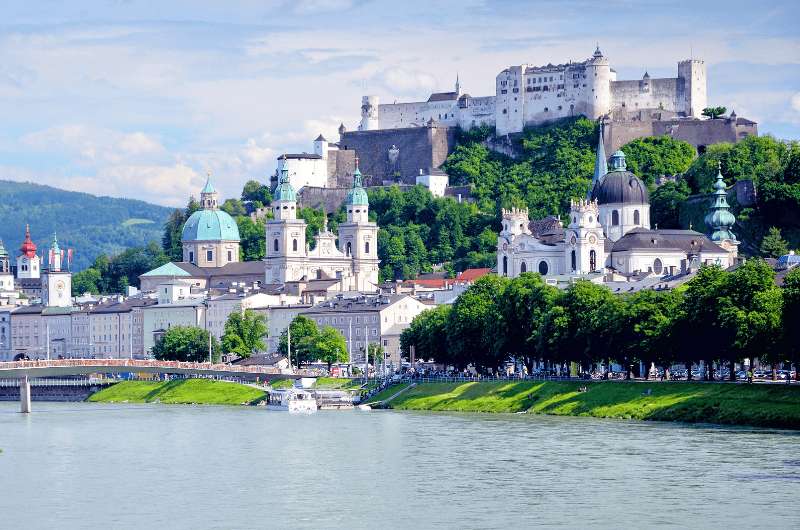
{"points": [[665, 203], [186, 343], [244, 333], [652, 156], [714, 112], [171, 240], [330, 346], [474, 325], [790, 317], [233, 207], [428, 334], [256, 193], [86, 281], [304, 333], [773, 245], [252, 241]]}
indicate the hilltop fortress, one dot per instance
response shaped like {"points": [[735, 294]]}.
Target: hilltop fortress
{"points": [[529, 95]]}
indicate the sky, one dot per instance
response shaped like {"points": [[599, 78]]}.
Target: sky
{"points": [[141, 98]]}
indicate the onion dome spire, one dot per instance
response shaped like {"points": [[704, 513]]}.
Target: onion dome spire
{"points": [[618, 161], [357, 194], [284, 190], [719, 218], [28, 247]]}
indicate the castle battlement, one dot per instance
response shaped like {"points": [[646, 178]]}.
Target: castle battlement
{"points": [[584, 205]]}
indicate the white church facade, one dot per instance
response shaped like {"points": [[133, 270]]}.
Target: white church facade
{"points": [[609, 234]]}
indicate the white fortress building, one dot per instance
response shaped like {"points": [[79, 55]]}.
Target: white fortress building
{"points": [[528, 95]]}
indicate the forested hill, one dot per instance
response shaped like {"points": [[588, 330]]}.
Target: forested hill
{"points": [[91, 225]]}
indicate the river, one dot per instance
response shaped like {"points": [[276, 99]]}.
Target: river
{"points": [[81, 465]]}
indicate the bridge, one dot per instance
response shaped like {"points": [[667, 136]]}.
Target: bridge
{"points": [[26, 370]]}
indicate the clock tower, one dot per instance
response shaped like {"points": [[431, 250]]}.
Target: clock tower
{"points": [[56, 283]]}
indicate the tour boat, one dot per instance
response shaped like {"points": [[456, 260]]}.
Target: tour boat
{"points": [[294, 400]]}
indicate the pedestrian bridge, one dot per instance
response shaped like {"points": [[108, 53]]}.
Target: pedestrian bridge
{"points": [[26, 370]]}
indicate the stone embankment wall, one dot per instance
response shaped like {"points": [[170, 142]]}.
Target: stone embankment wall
{"points": [[52, 393]]}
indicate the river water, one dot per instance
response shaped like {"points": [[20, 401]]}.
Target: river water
{"points": [[81, 465]]}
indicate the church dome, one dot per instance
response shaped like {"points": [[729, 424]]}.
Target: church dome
{"points": [[357, 196], [210, 225], [620, 186], [28, 247]]}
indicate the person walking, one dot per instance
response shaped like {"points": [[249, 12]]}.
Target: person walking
{"points": [[750, 375]]}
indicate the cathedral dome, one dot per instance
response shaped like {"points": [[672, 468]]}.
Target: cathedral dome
{"points": [[620, 186], [210, 225]]}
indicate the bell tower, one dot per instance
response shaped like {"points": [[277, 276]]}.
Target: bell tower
{"points": [[285, 235], [28, 262], [584, 242], [358, 237], [56, 282]]}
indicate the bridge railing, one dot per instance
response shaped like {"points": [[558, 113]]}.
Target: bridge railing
{"points": [[133, 364]]}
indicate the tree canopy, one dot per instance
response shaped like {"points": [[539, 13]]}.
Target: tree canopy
{"points": [[244, 333], [186, 343]]}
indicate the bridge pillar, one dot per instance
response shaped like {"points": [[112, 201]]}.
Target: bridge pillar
{"points": [[24, 395]]}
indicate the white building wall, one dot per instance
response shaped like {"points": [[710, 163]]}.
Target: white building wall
{"points": [[310, 171]]}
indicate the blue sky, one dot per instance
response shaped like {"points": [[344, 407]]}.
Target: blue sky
{"points": [[137, 98]]}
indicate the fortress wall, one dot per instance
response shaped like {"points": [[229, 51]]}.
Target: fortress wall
{"points": [[661, 93], [699, 133], [419, 148], [341, 166], [397, 115]]}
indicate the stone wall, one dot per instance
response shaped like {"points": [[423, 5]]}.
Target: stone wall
{"points": [[51, 393], [699, 133], [397, 155]]}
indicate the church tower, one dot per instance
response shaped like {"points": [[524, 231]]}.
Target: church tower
{"points": [[6, 278], [286, 235], [358, 237], [584, 239], [720, 220], [600, 162], [56, 282], [28, 262]]}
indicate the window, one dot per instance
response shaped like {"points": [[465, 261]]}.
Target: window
{"points": [[275, 245], [615, 218], [636, 217], [543, 268], [366, 247], [349, 248], [658, 266], [209, 255], [592, 260], [574, 260], [191, 257], [505, 266], [523, 267], [230, 256], [294, 245]]}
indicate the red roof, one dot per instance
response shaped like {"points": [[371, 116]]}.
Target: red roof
{"points": [[470, 275], [28, 247]]}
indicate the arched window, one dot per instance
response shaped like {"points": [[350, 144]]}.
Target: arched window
{"points": [[543, 268], [366, 247], [294, 245], [592, 260], [319, 276], [505, 266], [523, 267], [658, 266], [349, 248], [636, 217], [615, 217], [276, 245], [574, 260]]}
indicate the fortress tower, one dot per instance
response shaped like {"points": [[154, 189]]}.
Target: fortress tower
{"points": [[598, 77], [369, 113], [693, 74]]}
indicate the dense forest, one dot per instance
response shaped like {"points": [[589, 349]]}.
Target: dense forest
{"points": [[420, 233], [91, 225]]}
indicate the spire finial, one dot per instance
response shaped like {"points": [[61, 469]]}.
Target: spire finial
{"points": [[357, 163]]}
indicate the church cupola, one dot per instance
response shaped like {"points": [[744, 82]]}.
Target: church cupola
{"points": [[357, 203], [55, 256], [28, 247], [209, 198], [719, 219], [284, 201]]}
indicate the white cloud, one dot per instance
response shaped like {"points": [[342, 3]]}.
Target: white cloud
{"points": [[796, 102], [313, 7], [92, 145]]}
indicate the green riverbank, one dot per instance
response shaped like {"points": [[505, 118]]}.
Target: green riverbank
{"points": [[199, 391], [732, 404]]}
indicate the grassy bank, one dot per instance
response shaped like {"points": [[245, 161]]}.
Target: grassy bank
{"points": [[757, 405], [200, 391]]}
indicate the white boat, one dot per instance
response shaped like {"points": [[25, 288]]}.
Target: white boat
{"points": [[293, 400]]}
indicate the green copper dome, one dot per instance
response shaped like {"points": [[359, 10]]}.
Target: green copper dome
{"points": [[284, 190], [210, 225], [719, 217], [208, 188], [357, 196]]}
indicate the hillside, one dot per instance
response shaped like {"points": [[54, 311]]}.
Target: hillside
{"points": [[91, 225]]}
